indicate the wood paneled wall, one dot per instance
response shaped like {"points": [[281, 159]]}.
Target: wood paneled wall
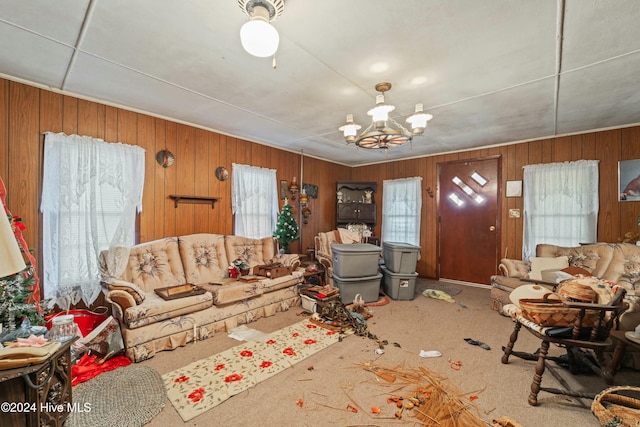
{"points": [[26, 112], [608, 147]]}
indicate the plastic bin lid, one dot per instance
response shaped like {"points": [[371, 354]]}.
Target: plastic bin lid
{"points": [[357, 279], [355, 247], [388, 272], [398, 245]]}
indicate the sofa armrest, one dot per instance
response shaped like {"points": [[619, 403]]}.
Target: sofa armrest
{"points": [[324, 260], [120, 301], [514, 268], [132, 289]]}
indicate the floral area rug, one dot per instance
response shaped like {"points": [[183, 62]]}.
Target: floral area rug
{"points": [[204, 384]]}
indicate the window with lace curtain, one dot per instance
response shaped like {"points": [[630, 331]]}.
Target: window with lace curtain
{"points": [[254, 196], [401, 208], [560, 204], [90, 194]]}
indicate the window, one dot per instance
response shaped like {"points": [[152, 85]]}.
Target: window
{"points": [[560, 204], [90, 192], [254, 201], [401, 207]]}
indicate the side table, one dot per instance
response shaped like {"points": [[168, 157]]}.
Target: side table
{"points": [[314, 278], [621, 346], [40, 393]]}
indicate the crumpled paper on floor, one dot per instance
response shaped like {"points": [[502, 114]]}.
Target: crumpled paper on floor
{"points": [[437, 294]]}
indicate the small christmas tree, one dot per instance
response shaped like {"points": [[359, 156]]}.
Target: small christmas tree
{"points": [[287, 228]]}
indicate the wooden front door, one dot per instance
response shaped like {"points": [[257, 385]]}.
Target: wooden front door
{"points": [[469, 221]]}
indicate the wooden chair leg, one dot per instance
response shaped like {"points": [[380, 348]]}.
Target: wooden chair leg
{"points": [[537, 378], [512, 340]]}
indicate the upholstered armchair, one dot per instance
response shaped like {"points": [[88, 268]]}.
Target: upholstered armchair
{"points": [[323, 243]]}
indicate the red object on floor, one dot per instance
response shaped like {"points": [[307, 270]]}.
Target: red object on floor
{"points": [[87, 367]]}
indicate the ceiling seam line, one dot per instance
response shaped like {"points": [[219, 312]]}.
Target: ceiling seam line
{"points": [[83, 32], [559, 40]]}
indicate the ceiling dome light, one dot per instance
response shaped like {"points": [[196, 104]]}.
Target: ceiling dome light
{"points": [[258, 36]]}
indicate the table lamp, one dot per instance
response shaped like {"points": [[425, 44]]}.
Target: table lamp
{"points": [[11, 260]]}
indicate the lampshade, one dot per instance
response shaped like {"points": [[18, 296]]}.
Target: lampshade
{"points": [[258, 36], [418, 120], [11, 260]]}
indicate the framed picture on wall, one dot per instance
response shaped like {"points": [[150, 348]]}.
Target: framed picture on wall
{"points": [[629, 180], [283, 189]]}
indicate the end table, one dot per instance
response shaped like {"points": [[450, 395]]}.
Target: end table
{"points": [[39, 393]]}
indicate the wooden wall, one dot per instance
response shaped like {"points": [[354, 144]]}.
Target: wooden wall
{"points": [[26, 112], [614, 219]]}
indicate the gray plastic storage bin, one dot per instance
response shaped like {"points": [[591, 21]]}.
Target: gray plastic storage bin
{"points": [[400, 257], [355, 260], [399, 286], [367, 287]]}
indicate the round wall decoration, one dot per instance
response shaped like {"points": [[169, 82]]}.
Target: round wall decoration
{"points": [[165, 158], [222, 173]]}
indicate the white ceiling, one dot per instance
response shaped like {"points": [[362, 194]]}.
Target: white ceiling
{"points": [[496, 71]]}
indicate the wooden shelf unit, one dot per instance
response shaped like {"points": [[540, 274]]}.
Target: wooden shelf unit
{"points": [[193, 199]]}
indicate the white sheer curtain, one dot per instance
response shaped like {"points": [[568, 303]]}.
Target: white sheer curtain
{"points": [[254, 199], [401, 207], [560, 204], [90, 193]]}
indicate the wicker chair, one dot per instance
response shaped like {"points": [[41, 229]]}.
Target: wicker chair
{"points": [[588, 332]]}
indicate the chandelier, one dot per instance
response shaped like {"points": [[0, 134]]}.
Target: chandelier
{"points": [[258, 36], [384, 132]]}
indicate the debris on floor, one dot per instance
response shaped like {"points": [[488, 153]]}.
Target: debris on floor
{"points": [[437, 294], [428, 397]]}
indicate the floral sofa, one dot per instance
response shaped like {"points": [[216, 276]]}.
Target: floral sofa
{"points": [[150, 323], [617, 263]]}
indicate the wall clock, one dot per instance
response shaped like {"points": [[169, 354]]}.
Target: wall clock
{"points": [[165, 158], [222, 173]]}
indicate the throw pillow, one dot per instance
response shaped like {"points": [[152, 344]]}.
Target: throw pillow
{"points": [[546, 263]]}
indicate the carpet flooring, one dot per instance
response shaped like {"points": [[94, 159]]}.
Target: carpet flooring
{"points": [[202, 385]]}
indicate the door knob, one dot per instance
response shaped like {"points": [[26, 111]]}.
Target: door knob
{"points": [[492, 228]]}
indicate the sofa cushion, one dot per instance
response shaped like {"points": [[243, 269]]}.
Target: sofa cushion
{"points": [[155, 264], [155, 309], [624, 268], [204, 258], [538, 264], [254, 251], [594, 258]]}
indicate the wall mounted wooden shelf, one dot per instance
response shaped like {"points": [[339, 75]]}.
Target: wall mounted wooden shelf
{"points": [[193, 199]]}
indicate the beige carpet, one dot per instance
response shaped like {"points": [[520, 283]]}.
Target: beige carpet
{"points": [[202, 385], [339, 379]]}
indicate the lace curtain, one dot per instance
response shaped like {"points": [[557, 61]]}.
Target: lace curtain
{"points": [[90, 194], [560, 204], [401, 208], [254, 200]]}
